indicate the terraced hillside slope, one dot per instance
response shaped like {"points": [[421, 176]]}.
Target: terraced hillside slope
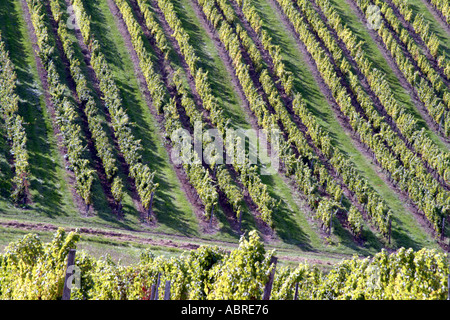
{"points": [[112, 112]]}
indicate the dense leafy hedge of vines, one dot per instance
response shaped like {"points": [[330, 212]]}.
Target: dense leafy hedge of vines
{"points": [[31, 269]]}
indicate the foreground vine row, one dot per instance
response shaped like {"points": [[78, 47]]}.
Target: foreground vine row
{"points": [[129, 146], [31, 269]]}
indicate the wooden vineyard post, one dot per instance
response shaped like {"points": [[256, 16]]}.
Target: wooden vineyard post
{"points": [[331, 222], [331, 225], [119, 208], [268, 288], [296, 292], [212, 209], [448, 286], [443, 228], [167, 291], [154, 294], [157, 286], [149, 212], [390, 230], [69, 273]]}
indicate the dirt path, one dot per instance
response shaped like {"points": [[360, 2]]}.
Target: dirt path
{"points": [[42, 73], [172, 241], [114, 235]]}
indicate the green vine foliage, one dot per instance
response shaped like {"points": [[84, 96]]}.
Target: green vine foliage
{"points": [[443, 7], [248, 174], [243, 275], [13, 125], [31, 269]]}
